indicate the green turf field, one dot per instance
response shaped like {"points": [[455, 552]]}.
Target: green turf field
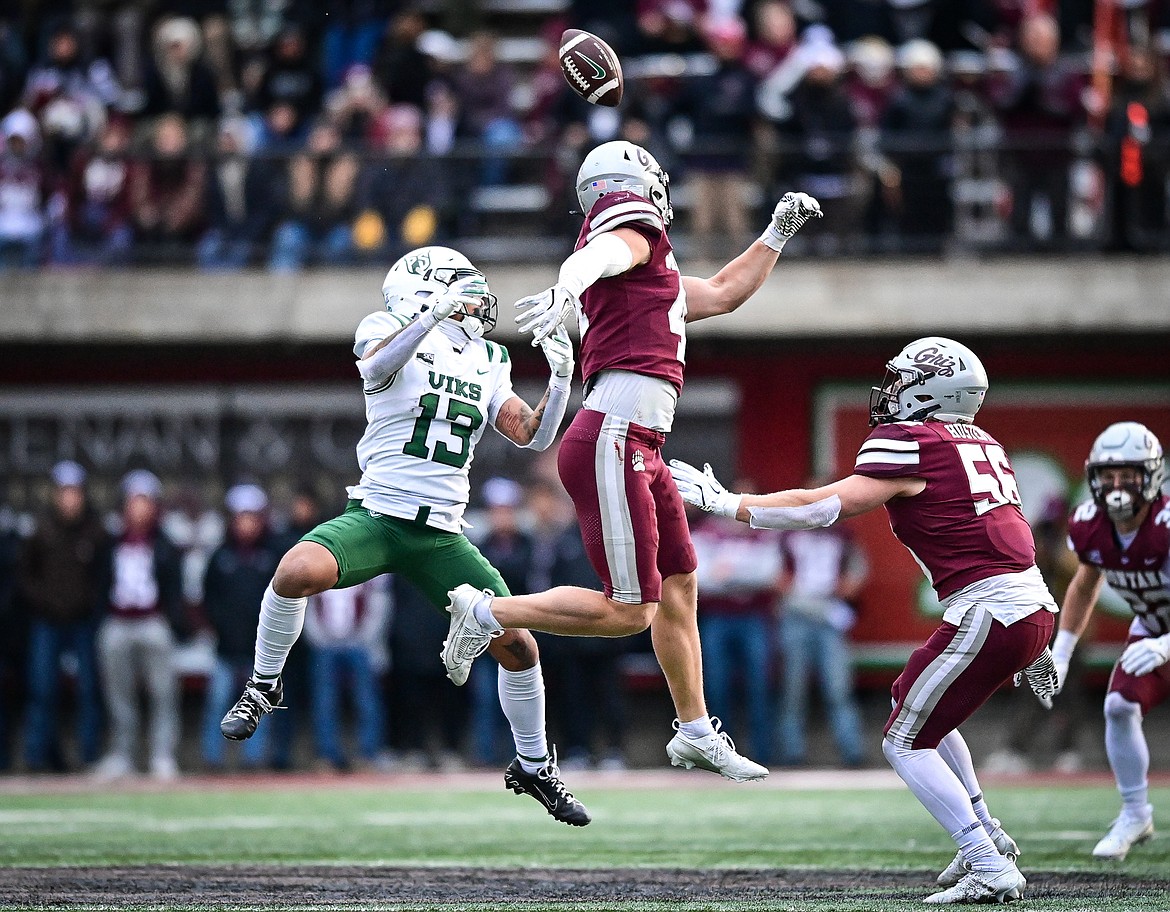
{"points": [[472, 824]]}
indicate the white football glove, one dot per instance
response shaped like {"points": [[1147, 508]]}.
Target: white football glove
{"points": [[793, 210], [1042, 678], [1144, 656], [558, 352], [1061, 672], [465, 293], [703, 490], [540, 314]]}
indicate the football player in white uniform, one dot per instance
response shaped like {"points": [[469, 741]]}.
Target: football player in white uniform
{"points": [[432, 384]]}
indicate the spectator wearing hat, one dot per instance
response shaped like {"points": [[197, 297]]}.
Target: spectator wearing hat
{"points": [[916, 132], [23, 191], [237, 575], [58, 575], [818, 128], [178, 81], [141, 595]]}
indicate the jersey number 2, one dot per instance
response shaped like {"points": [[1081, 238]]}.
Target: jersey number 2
{"points": [[997, 482], [417, 445]]}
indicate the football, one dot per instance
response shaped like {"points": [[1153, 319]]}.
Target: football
{"points": [[591, 68]]}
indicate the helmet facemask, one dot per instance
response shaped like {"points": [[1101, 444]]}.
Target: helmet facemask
{"points": [[885, 401], [1124, 446], [1121, 498]]}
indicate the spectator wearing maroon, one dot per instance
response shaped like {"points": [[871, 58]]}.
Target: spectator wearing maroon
{"points": [[23, 191], [774, 37], [484, 87], [167, 188], [1040, 105], [916, 134], [69, 97], [96, 225], [721, 112], [177, 80], [291, 76], [141, 593]]}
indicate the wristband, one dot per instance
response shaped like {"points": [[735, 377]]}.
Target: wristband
{"points": [[726, 504], [1063, 645], [773, 238]]}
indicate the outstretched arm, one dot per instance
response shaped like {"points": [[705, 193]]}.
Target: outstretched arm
{"points": [[743, 276], [798, 508], [536, 428]]}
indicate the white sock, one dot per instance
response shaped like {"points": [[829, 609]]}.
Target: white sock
{"points": [[522, 700], [1129, 754], [941, 792], [281, 620], [482, 612], [698, 728], [955, 753]]}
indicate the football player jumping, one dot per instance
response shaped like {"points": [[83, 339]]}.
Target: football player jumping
{"points": [[952, 500], [1122, 536], [632, 305], [432, 384]]}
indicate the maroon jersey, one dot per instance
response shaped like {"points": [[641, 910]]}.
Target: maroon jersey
{"points": [[1139, 573], [966, 525], [634, 321]]}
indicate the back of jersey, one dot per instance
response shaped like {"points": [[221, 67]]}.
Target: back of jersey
{"points": [[635, 321], [966, 525]]}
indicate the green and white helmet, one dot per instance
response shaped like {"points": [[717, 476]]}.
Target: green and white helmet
{"points": [[930, 378], [427, 272], [621, 165], [1126, 443]]}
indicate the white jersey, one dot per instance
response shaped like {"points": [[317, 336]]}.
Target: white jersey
{"points": [[424, 422]]}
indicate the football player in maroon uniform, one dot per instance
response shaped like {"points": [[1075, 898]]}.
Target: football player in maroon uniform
{"points": [[1122, 536], [952, 500], [632, 306]]}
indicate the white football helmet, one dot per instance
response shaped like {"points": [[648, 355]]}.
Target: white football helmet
{"points": [[621, 165], [428, 271], [1126, 443], [930, 378]]}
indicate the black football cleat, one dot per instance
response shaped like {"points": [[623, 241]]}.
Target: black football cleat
{"points": [[257, 700], [545, 786]]}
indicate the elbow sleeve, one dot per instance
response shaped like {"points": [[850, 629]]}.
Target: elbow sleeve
{"points": [[604, 256]]}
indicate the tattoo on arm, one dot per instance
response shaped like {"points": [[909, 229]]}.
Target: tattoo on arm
{"points": [[519, 424]]}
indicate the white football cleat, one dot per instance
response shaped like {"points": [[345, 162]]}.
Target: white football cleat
{"points": [[714, 752], [957, 870], [1126, 832], [466, 639], [983, 887]]}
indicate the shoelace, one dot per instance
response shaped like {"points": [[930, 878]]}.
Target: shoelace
{"points": [[551, 773], [722, 739], [252, 704]]}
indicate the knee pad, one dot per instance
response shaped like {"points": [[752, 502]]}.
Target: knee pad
{"points": [[1119, 709]]}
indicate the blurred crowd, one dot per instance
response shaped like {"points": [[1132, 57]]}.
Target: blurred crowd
{"points": [[284, 133], [127, 633]]}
